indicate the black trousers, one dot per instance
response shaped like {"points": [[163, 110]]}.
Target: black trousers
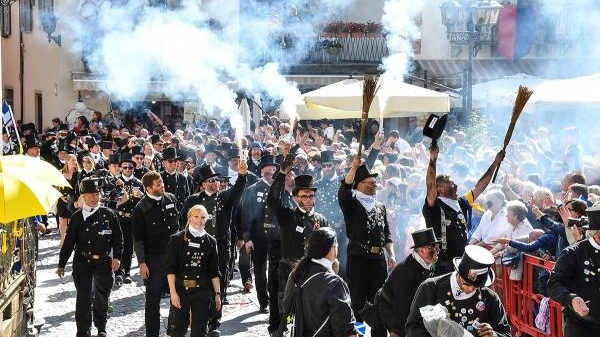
{"points": [[245, 264], [154, 286], [274, 248], [363, 288], [127, 247], [259, 259], [285, 268], [201, 303], [93, 281], [577, 329], [223, 252]]}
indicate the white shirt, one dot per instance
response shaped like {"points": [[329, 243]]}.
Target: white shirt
{"points": [[87, 211], [490, 229]]}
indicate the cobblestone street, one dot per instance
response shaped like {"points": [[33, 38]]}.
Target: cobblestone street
{"points": [[55, 302]]}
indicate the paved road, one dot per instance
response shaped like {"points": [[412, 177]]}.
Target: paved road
{"points": [[55, 302]]}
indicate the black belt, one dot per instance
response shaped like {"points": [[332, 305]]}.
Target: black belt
{"points": [[187, 284], [93, 256], [369, 249]]}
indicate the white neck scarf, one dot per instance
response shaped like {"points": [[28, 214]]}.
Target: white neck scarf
{"points": [[87, 211], [196, 232], [157, 198], [452, 203], [421, 261], [367, 201], [324, 262], [126, 178], [457, 293]]}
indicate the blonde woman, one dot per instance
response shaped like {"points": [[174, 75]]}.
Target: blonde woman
{"points": [[64, 207], [193, 276]]}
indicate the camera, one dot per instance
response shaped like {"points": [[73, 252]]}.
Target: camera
{"points": [[583, 221]]}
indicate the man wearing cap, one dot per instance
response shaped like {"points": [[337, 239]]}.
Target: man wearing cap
{"points": [[137, 154], [31, 146], [219, 207], [369, 235], [574, 281], [175, 183], [296, 225], [155, 218], [158, 146], [261, 233], [449, 215], [94, 233], [256, 152], [393, 300], [465, 295], [130, 192], [211, 154], [95, 153]]}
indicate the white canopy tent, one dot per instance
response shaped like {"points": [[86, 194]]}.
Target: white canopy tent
{"points": [[394, 99]]}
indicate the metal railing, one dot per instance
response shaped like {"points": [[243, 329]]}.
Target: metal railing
{"points": [[364, 49]]}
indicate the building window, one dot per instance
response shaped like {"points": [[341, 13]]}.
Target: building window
{"points": [[26, 15], [45, 9], [5, 20], [38, 110], [9, 96]]}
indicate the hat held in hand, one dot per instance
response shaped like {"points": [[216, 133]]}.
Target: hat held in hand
{"points": [[434, 127]]}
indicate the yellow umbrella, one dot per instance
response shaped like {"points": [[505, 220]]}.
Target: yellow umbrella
{"points": [[34, 168], [23, 194]]}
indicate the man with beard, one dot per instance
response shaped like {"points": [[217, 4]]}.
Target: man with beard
{"points": [[256, 152], [155, 218], [449, 215], [137, 154], [369, 234], [261, 235], [393, 301], [219, 206], [175, 183], [129, 190], [296, 225]]}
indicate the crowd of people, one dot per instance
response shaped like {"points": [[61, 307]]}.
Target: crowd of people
{"points": [[192, 201]]}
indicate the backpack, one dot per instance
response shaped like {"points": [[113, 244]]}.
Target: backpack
{"points": [[292, 319]]}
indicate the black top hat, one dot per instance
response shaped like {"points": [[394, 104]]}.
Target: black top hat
{"points": [[84, 132], [127, 158], [170, 153], [255, 145], [267, 160], [233, 153], [327, 157], [92, 142], [64, 147], [206, 172], [107, 144], [424, 237], [88, 185], [303, 182], [593, 214], [476, 266], [71, 136], [30, 142], [226, 146], [362, 173], [114, 159], [137, 149], [434, 127], [156, 139]]}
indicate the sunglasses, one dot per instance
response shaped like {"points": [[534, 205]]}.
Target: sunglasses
{"points": [[306, 197], [127, 167], [212, 180], [171, 160], [327, 165]]}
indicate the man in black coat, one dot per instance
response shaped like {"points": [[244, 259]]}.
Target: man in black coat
{"points": [[393, 301], [155, 218], [175, 183], [296, 225], [95, 235], [465, 295], [574, 281], [448, 214], [369, 235]]}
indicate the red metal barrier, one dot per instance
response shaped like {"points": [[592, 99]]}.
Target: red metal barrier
{"points": [[520, 298]]}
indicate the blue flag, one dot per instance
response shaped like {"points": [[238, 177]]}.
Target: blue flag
{"points": [[7, 116]]}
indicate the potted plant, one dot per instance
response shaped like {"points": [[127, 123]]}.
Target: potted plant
{"points": [[330, 29], [344, 29], [357, 29], [373, 29]]}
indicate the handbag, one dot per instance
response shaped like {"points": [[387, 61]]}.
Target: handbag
{"points": [[292, 319], [511, 259]]}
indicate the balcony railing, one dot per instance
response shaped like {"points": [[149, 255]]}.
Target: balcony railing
{"points": [[348, 49]]}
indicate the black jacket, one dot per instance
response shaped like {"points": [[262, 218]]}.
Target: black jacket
{"points": [[99, 234], [484, 306], [295, 225], [195, 259], [153, 222]]}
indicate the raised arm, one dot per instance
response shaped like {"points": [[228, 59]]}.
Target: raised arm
{"points": [[485, 179], [430, 177]]}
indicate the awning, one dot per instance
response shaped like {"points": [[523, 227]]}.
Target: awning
{"points": [[93, 82], [483, 70]]}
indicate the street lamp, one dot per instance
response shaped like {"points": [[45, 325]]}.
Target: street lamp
{"points": [[470, 23], [7, 2]]}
